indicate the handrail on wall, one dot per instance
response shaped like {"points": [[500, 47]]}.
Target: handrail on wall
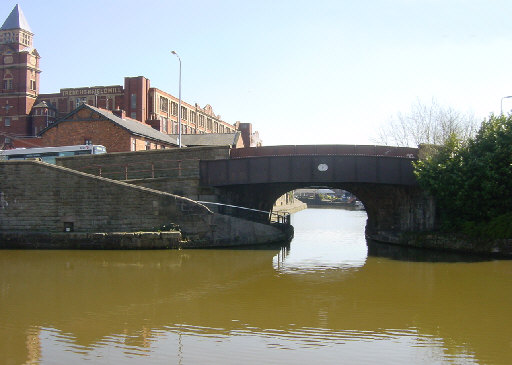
{"points": [[261, 216]]}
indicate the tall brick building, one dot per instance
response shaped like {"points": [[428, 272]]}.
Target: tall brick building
{"points": [[144, 103], [19, 74], [24, 112]]}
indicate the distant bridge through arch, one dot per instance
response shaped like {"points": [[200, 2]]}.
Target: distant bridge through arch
{"points": [[380, 176]]}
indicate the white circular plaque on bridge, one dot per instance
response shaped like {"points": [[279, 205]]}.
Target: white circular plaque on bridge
{"points": [[323, 167]]}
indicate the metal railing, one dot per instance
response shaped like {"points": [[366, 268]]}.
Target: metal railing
{"points": [[145, 169], [255, 215], [337, 150]]}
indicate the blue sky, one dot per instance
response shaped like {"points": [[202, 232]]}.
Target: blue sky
{"points": [[302, 72]]}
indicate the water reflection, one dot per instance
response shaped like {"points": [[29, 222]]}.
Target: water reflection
{"points": [[259, 306], [333, 248]]}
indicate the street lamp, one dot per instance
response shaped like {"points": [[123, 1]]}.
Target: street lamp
{"points": [[179, 103], [505, 97]]}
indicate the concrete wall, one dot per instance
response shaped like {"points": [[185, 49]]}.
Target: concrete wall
{"points": [[36, 196]]}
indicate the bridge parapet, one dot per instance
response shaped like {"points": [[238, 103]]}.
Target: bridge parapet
{"points": [[326, 150]]}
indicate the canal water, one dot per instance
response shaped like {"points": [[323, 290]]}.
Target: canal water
{"points": [[329, 297]]}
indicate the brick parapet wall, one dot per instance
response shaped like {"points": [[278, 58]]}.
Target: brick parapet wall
{"points": [[35, 196]]}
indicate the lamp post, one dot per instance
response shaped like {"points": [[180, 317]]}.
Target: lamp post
{"points": [[505, 97], [179, 102]]}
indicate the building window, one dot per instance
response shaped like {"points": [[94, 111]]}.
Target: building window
{"points": [[7, 140], [80, 101], [174, 107], [133, 115], [193, 117], [7, 121], [133, 101], [33, 85], [8, 84], [183, 113], [88, 141], [164, 125], [201, 121], [209, 125], [164, 104], [8, 37], [134, 144], [216, 127], [148, 145]]}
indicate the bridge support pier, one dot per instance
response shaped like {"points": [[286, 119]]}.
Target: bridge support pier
{"points": [[395, 210]]}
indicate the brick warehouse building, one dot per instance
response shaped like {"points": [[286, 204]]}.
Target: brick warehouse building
{"points": [[24, 112], [90, 125]]}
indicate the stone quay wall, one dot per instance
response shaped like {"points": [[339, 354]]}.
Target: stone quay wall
{"points": [[36, 196], [48, 206]]}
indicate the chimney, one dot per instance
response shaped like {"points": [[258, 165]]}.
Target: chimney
{"points": [[119, 113]]}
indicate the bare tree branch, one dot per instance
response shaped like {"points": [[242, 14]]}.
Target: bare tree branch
{"points": [[426, 124]]}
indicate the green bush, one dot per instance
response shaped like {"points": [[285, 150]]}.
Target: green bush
{"points": [[472, 181]]}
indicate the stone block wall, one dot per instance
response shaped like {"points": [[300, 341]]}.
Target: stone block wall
{"points": [[175, 162], [188, 187], [174, 171], [35, 196], [395, 210]]}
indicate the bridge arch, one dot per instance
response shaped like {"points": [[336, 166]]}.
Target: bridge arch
{"points": [[384, 182]]}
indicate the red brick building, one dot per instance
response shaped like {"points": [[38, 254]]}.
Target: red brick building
{"points": [[144, 103], [19, 77], [24, 112], [90, 125]]}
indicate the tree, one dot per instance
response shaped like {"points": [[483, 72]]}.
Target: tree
{"points": [[426, 124], [472, 180]]}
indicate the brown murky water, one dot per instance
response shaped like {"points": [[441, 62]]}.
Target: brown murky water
{"points": [[328, 298]]}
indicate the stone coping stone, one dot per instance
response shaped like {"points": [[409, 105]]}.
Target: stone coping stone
{"points": [[92, 240], [447, 242]]}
